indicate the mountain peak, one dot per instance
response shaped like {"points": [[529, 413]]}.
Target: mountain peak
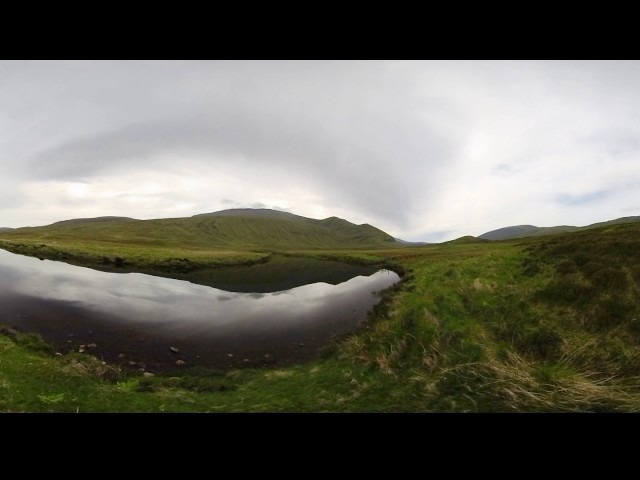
{"points": [[514, 231], [108, 219], [250, 212]]}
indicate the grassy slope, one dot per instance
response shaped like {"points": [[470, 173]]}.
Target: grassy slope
{"points": [[206, 231], [541, 324], [522, 231]]}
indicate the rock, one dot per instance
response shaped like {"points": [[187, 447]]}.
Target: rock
{"points": [[266, 355], [246, 360], [230, 355], [58, 354], [141, 370], [92, 345], [133, 364], [81, 350], [301, 344], [148, 374], [180, 362], [174, 350], [82, 347], [121, 355]]}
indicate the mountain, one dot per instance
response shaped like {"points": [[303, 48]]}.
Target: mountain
{"points": [[520, 231], [410, 244], [84, 221], [5, 229], [515, 231], [465, 240], [256, 213], [230, 229]]}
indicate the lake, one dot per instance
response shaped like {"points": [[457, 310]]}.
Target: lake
{"points": [[241, 316]]}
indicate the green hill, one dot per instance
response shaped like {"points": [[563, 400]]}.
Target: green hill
{"points": [[464, 240], [521, 231], [228, 229]]}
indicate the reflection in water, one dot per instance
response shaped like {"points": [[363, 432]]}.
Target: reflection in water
{"points": [[278, 274], [139, 316]]}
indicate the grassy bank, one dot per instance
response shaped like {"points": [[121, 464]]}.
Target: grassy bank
{"points": [[542, 324]]}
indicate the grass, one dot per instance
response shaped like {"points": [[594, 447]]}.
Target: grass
{"points": [[549, 324]]}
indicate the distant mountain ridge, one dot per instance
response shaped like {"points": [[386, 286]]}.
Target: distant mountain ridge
{"points": [[5, 229], [412, 244], [254, 212], [242, 228], [521, 231], [80, 221]]}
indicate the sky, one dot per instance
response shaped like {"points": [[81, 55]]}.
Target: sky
{"points": [[425, 150]]}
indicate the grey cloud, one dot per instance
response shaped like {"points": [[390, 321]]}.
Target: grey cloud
{"points": [[374, 166], [615, 143], [577, 200], [441, 235], [505, 170]]}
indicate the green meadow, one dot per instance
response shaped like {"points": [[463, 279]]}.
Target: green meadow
{"points": [[540, 324]]}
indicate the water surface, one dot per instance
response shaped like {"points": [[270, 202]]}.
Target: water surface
{"points": [[134, 318]]}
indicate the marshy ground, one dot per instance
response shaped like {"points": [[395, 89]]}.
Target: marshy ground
{"points": [[543, 324]]}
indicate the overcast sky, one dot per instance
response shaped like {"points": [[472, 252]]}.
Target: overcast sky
{"points": [[426, 151]]}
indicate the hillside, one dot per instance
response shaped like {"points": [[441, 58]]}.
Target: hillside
{"points": [[5, 229], [228, 230], [85, 221], [521, 231], [464, 240]]}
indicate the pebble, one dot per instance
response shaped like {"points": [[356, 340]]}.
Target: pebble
{"points": [[230, 355], [180, 362], [148, 374], [122, 355], [92, 345], [301, 344], [174, 350]]}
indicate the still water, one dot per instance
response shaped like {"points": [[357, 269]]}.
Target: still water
{"points": [[152, 322]]}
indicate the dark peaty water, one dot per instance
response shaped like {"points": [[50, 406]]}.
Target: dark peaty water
{"points": [[138, 318]]}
